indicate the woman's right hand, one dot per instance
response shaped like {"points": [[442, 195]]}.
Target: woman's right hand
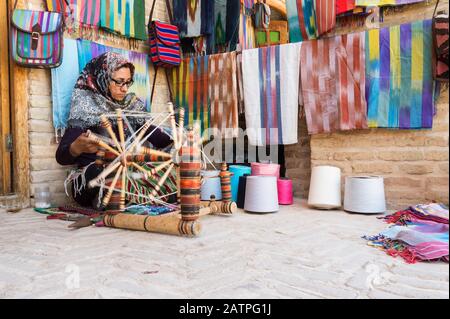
{"points": [[83, 145]]}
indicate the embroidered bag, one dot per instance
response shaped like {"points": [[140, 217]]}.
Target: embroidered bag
{"points": [[36, 38]]}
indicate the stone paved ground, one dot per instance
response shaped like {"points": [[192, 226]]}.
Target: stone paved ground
{"points": [[296, 253]]}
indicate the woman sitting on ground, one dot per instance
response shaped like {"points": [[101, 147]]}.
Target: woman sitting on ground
{"points": [[101, 88]]}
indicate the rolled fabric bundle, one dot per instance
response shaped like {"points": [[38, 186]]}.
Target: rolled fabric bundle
{"points": [[166, 224], [285, 191], [325, 187], [265, 169], [365, 195], [261, 194], [237, 171], [211, 185], [241, 191]]}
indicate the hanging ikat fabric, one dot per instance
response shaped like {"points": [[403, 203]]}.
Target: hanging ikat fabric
{"points": [[399, 76], [333, 83], [223, 94], [301, 19], [84, 13], [124, 17], [271, 92], [190, 87]]}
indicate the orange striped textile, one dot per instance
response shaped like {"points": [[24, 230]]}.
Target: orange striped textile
{"points": [[333, 83]]}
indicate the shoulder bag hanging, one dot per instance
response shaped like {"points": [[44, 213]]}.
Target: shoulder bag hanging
{"points": [[36, 38]]}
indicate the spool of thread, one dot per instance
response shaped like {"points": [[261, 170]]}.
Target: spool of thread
{"points": [[261, 195], [265, 169], [241, 191], [365, 195], [325, 187], [237, 171], [211, 185], [225, 181], [285, 191]]}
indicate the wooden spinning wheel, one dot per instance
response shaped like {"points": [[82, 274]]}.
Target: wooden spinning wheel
{"points": [[123, 159]]}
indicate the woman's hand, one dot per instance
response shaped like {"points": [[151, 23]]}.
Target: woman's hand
{"points": [[82, 145]]}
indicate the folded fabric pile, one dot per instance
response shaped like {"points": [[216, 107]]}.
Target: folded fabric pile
{"points": [[419, 233]]}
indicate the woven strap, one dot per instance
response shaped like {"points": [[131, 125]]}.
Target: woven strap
{"points": [[169, 11]]}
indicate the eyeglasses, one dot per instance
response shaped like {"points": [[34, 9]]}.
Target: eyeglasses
{"points": [[121, 84]]}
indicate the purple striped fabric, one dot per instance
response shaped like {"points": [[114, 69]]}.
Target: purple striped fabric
{"points": [[49, 43]]}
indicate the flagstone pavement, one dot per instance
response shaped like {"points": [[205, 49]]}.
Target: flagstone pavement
{"points": [[295, 253]]}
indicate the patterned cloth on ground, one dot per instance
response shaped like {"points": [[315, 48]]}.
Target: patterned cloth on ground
{"points": [[420, 233], [271, 93]]}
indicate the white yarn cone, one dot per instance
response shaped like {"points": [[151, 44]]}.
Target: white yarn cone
{"points": [[211, 185], [365, 194], [261, 194], [325, 187]]}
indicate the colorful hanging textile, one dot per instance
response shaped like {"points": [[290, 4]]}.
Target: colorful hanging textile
{"points": [[271, 92], [302, 20], [333, 83], [419, 233], [64, 78], [190, 88], [370, 3], [85, 13], [194, 21], [220, 22], [88, 50], [124, 17], [325, 15], [180, 15], [223, 94], [246, 27], [399, 76], [343, 6], [232, 24]]}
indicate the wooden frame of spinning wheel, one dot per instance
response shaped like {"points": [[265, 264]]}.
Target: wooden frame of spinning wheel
{"points": [[180, 222]]}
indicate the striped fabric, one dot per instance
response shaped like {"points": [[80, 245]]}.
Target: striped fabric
{"points": [[325, 15], [88, 50], [369, 3], [271, 93], [145, 186], [84, 12], [399, 76], [343, 6], [223, 94], [48, 50], [333, 83], [164, 44], [301, 19], [125, 17], [246, 27], [190, 87]]}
